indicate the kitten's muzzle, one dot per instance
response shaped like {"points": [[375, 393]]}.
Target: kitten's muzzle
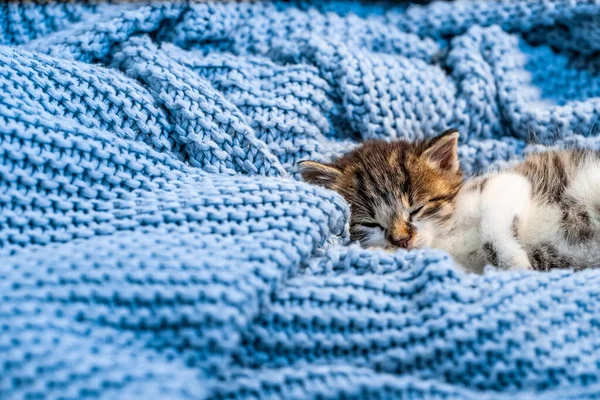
{"points": [[401, 235], [402, 241]]}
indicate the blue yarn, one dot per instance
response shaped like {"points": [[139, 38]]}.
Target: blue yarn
{"points": [[155, 241]]}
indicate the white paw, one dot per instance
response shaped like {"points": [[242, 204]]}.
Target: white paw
{"points": [[519, 262]]}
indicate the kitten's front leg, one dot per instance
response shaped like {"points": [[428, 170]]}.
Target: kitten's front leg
{"points": [[505, 204]]}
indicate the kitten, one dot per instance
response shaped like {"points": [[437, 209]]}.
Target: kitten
{"points": [[540, 214]]}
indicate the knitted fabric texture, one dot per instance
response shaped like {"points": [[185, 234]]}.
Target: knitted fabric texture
{"points": [[155, 241]]}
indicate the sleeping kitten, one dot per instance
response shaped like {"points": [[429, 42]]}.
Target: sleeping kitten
{"points": [[540, 214]]}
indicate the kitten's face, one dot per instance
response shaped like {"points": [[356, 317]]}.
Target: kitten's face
{"points": [[401, 194]]}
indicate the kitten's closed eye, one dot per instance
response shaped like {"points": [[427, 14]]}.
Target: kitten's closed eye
{"points": [[372, 225], [430, 202], [442, 198], [416, 211]]}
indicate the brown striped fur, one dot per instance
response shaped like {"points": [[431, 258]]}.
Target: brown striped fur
{"points": [[549, 173]]}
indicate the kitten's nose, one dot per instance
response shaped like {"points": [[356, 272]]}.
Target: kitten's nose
{"points": [[402, 242]]}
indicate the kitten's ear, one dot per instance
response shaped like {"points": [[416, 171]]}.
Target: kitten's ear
{"points": [[319, 174], [443, 151]]}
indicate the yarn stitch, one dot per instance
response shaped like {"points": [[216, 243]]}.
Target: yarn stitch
{"points": [[155, 241]]}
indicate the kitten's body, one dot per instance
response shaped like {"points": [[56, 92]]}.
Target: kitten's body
{"points": [[542, 213]]}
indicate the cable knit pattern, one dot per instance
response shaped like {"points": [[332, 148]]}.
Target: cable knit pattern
{"points": [[155, 241]]}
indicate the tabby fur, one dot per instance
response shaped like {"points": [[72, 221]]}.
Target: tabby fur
{"points": [[542, 213]]}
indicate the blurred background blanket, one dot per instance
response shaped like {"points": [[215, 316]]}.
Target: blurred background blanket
{"points": [[155, 241]]}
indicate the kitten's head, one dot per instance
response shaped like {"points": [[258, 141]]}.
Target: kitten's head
{"points": [[401, 194]]}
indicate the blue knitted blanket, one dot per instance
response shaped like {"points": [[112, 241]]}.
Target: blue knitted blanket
{"points": [[155, 241]]}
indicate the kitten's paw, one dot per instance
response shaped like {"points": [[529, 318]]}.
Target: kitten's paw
{"points": [[508, 259], [519, 262]]}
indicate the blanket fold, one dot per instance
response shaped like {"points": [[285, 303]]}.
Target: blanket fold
{"points": [[155, 240]]}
